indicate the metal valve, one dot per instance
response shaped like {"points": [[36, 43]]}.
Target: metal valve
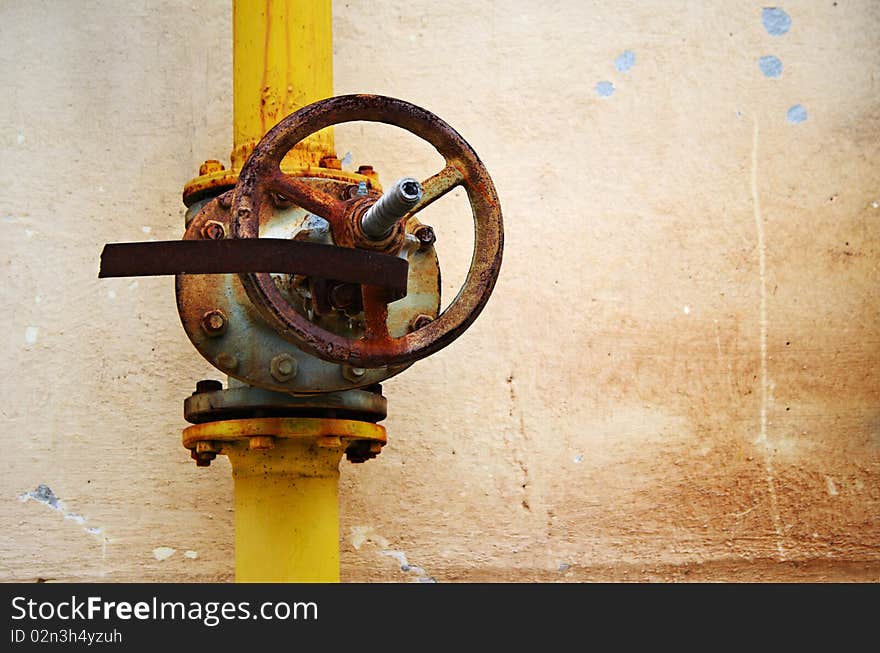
{"points": [[310, 284]]}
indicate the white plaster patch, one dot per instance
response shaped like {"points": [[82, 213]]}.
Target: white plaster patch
{"points": [[192, 555], [579, 458], [19, 138], [832, 486], [686, 310], [133, 285], [29, 233], [163, 552], [31, 334], [360, 535], [44, 494], [38, 299], [876, 205], [111, 294], [405, 566], [146, 229]]}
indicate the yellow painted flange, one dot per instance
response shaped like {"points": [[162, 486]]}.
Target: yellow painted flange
{"points": [[217, 180], [207, 440]]}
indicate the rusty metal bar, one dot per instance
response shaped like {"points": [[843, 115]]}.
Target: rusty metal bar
{"points": [[245, 255]]}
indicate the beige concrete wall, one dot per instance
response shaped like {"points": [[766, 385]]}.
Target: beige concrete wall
{"points": [[676, 378]]}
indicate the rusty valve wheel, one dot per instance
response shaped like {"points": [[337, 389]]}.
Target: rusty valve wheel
{"points": [[261, 182]]}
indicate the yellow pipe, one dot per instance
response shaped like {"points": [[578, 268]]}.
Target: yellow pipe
{"points": [[282, 61], [286, 512], [286, 497]]}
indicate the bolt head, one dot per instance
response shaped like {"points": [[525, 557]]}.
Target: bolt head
{"points": [[210, 166], [331, 162], [208, 385], [283, 367], [213, 230], [425, 236], [419, 321], [343, 295], [226, 361], [214, 323], [353, 374]]}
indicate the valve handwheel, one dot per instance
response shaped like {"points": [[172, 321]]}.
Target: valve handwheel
{"points": [[261, 177]]}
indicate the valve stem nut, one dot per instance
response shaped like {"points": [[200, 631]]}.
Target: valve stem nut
{"points": [[283, 367], [425, 235], [419, 321], [214, 323]]}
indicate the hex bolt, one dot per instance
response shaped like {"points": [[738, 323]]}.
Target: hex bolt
{"points": [[283, 367], [365, 170], [419, 321], [261, 442], [425, 235], [213, 230], [331, 162], [381, 217], [207, 385], [226, 361], [210, 167], [202, 459], [360, 451], [353, 374], [343, 295], [207, 446], [214, 323]]}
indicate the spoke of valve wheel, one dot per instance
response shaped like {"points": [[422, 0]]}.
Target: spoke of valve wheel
{"points": [[311, 199], [433, 188], [375, 313]]}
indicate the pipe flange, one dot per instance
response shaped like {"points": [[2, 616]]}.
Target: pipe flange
{"points": [[360, 441]]}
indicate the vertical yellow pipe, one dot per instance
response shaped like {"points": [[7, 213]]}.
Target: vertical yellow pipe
{"points": [[286, 512], [282, 60], [286, 497]]}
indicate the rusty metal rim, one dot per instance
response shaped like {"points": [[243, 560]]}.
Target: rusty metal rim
{"points": [[463, 167]]}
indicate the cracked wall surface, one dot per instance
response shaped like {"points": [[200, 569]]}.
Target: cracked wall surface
{"points": [[677, 375]]}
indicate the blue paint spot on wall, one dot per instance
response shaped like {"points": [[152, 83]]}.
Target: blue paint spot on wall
{"points": [[625, 61], [604, 89], [771, 66], [796, 114], [775, 20]]}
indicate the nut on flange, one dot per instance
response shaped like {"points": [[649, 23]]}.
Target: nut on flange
{"points": [[425, 235], [213, 230], [353, 374], [283, 367], [214, 323]]}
